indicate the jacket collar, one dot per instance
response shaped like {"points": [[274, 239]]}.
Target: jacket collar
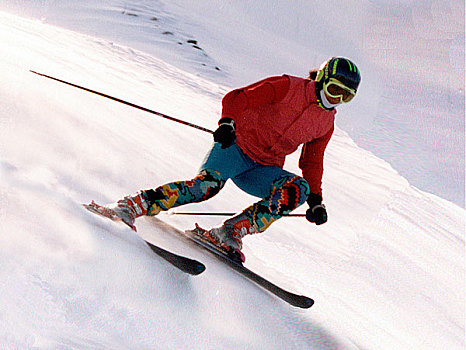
{"points": [[317, 90]]}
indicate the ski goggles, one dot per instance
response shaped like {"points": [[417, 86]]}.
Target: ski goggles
{"points": [[337, 89]]}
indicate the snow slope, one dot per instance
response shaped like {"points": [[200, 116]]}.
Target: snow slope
{"points": [[386, 272]]}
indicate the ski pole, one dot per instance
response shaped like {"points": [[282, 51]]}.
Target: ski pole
{"points": [[126, 103], [220, 214]]}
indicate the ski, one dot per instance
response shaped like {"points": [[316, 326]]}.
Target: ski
{"points": [[194, 236], [187, 265]]}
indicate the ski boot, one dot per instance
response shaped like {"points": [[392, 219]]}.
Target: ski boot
{"points": [[229, 235], [129, 208]]}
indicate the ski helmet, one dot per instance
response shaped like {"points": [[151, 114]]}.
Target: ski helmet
{"points": [[338, 74]]}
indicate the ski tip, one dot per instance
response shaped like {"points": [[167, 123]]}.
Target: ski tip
{"points": [[87, 206], [90, 205]]}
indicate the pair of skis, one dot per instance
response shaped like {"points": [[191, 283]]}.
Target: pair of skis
{"points": [[195, 267]]}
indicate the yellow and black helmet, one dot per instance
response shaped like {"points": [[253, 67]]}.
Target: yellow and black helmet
{"points": [[341, 69]]}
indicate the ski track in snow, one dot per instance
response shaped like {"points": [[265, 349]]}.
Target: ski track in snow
{"points": [[386, 272]]}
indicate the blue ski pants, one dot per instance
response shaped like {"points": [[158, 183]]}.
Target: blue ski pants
{"points": [[281, 191]]}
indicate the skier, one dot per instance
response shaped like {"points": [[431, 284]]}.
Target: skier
{"points": [[260, 125]]}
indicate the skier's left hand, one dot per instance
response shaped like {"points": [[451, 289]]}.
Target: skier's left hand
{"points": [[316, 212]]}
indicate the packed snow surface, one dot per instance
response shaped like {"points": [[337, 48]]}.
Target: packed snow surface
{"points": [[386, 271]]}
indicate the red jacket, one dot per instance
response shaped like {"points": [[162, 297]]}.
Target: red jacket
{"points": [[276, 115]]}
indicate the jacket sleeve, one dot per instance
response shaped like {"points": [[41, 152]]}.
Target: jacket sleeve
{"points": [[311, 161], [270, 90]]}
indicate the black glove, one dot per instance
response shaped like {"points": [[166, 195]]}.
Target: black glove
{"points": [[225, 133], [316, 212]]}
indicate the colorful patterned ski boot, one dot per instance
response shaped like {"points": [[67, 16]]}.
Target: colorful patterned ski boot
{"points": [[129, 208], [229, 235]]}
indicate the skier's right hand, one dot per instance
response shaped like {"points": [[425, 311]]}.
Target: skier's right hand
{"points": [[225, 133]]}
